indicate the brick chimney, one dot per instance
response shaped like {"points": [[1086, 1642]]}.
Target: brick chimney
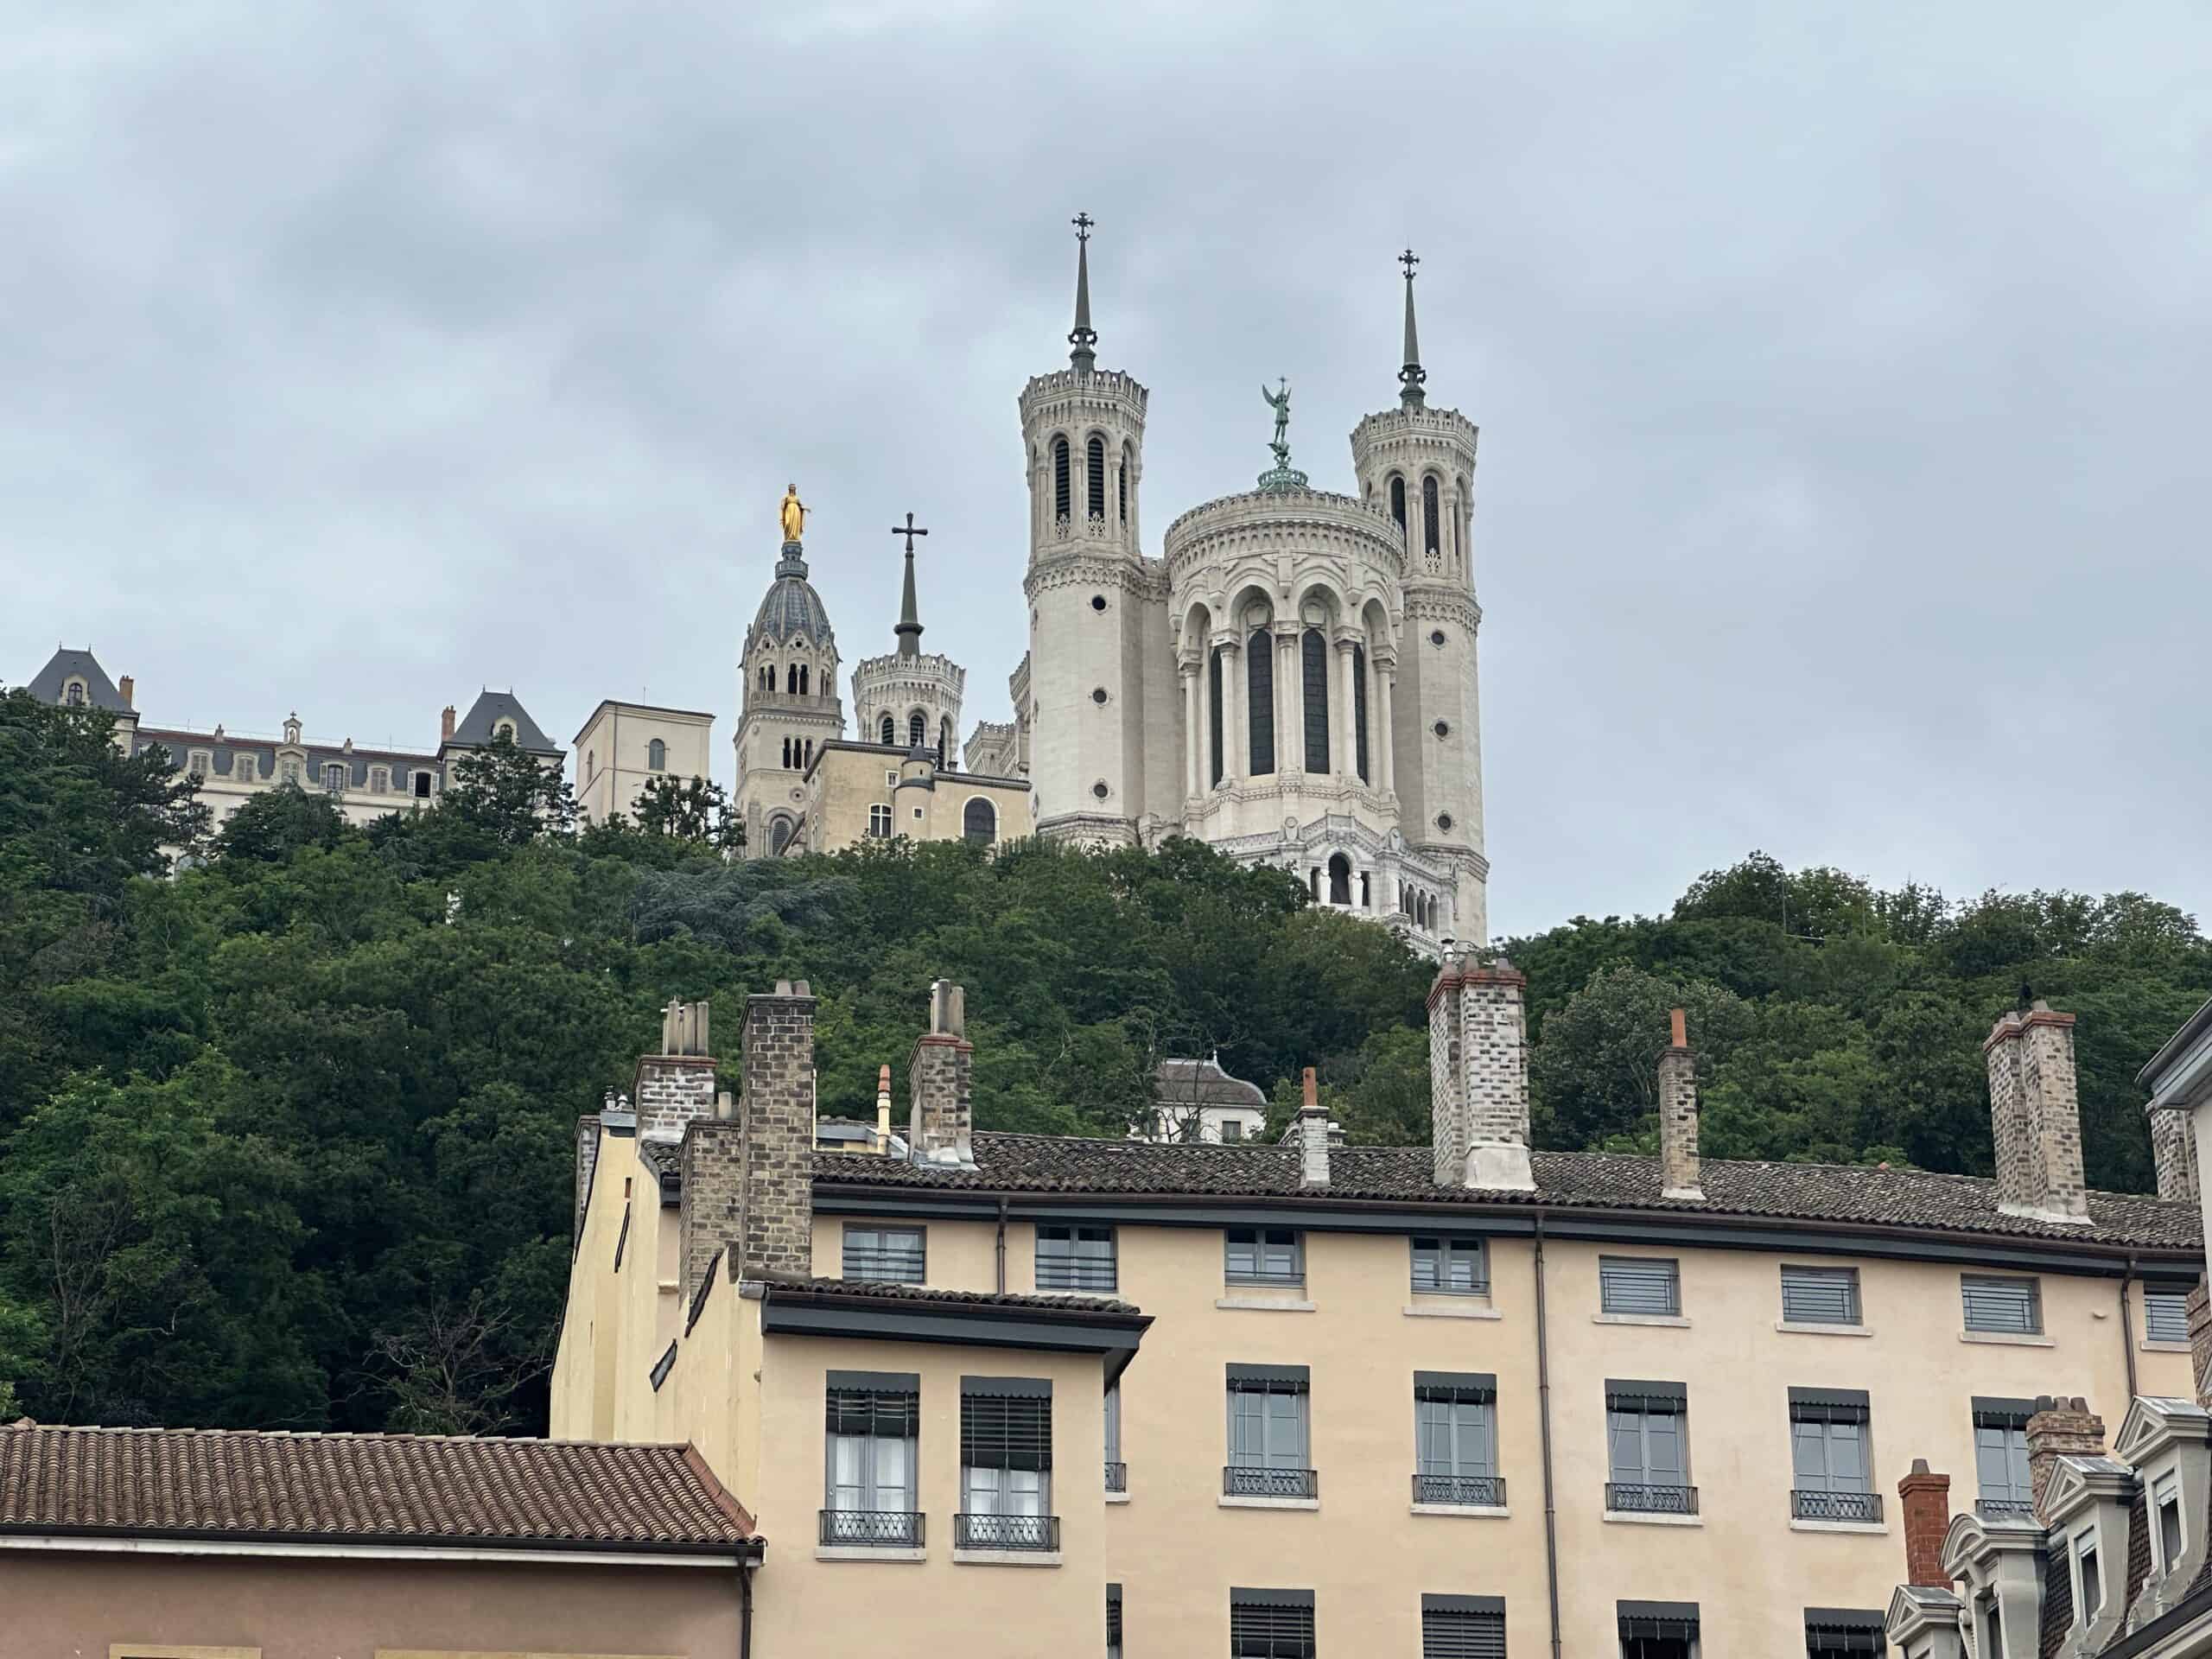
{"points": [[1678, 1162], [677, 1085], [2174, 1153], [445, 725], [2199, 1311], [1312, 1137], [2063, 1427], [1478, 1073], [1924, 1504], [940, 1078], [2034, 1116], [749, 1181], [125, 688]]}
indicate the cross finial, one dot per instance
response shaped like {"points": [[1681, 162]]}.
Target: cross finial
{"points": [[909, 530], [1410, 395], [1409, 259], [1083, 222], [1083, 338]]}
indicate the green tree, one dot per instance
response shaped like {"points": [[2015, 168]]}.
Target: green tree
{"points": [[1595, 1074]]}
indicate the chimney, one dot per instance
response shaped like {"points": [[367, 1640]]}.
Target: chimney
{"points": [[2034, 1117], [445, 725], [1924, 1502], [2063, 1427], [125, 688], [2173, 1152], [883, 1109], [2199, 1311], [1312, 1137], [1478, 1060], [938, 1077], [1678, 1164], [677, 1085], [748, 1182]]}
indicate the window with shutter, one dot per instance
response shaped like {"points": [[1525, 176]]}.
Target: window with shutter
{"points": [[1658, 1629], [1831, 1477], [1643, 1285], [1648, 1449], [1113, 1621], [1268, 1433], [2165, 1315], [873, 1420], [2003, 1307], [1455, 1439], [1841, 1630], [2001, 1456], [1271, 1624], [1006, 1465], [1820, 1295], [1462, 1627]]}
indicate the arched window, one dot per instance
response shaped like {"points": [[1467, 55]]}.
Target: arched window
{"points": [[806, 758], [1260, 699], [1122, 484], [1060, 497], [1213, 714], [1313, 881], [890, 728], [945, 742], [1094, 455], [1398, 500], [979, 821], [917, 729], [591, 765], [1314, 664], [790, 678], [656, 756], [779, 835], [1428, 520], [802, 679], [1366, 892], [1359, 710], [787, 754], [74, 697], [1339, 879]]}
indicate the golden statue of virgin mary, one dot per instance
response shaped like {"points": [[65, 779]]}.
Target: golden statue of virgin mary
{"points": [[793, 513]]}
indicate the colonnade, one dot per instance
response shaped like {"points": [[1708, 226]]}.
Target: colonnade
{"points": [[1286, 644]]}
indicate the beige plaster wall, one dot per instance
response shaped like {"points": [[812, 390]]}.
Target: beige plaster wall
{"points": [[285, 1609], [845, 783], [612, 751]]}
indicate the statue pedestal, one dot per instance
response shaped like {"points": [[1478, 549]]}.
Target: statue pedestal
{"points": [[1278, 478]]}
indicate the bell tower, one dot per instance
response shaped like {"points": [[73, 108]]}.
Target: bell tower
{"points": [[1088, 588], [788, 705], [1418, 465]]}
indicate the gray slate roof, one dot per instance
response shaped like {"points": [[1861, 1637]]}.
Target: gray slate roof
{"points": [[791, 607], [492, 707], [1845, 1195], [66, 665]]}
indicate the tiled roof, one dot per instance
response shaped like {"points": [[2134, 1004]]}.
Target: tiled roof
{"points": [[1202, 1083], [1848, 1195], [389, 1489], [887, 1291]]}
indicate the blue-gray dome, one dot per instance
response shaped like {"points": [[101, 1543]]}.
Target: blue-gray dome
{"points": [[791, 608]]}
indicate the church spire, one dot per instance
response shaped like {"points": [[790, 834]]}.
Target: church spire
{"points": [[910, 621], [1082, 336], [1410, 395]]}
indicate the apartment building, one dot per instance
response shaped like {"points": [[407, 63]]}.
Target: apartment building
{"points": [[1312, 1399]]}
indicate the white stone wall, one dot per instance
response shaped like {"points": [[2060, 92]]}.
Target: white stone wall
{"points": [[613, 755]]}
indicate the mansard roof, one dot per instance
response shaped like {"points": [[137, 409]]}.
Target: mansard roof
{"points": [[66, 665], [1849, 1197], [491, 707], [362, 1489]]}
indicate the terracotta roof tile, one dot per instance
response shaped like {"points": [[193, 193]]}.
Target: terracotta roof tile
{"points": [[394, 1488], [889, 1291]]}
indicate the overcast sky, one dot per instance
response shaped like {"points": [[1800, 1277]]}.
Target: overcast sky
{"points": [[1841, 379]]}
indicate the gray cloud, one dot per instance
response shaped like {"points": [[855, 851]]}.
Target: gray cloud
{"points": [[1838, 375]]}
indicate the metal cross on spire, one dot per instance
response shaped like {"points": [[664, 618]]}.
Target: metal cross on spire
{"points": [[909, 530], [1082, 337], [1409, 259], [1083, 222], [909, 628], [1410, 395]]}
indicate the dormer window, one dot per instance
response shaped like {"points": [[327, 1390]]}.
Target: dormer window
{"points": [[381, 780], [74, 694], [2166, 1537], [2088, 1578], [333, 777], [504, 729], [200, 766], [1989, 1629]]}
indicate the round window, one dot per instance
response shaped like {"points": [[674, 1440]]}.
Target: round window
{"points": [[1444, 728], [1098, 694], [1436, 636], [1098, 601], [1444, 820], [1100, 790]]}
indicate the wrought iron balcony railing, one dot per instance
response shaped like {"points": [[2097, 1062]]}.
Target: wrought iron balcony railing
{"points": [[1117, 1477], [1244, 1480], [1485, 1492], [1006, 1531], [1623, 1499], [872, 1529], [1836, 1506]]}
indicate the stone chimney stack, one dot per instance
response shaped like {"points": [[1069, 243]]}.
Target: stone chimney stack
{"points": [[1478, 1075], [677, 1085], [2197, 1305], [883, 1109], [1678, 1162], [445, 724], [2036, 1118], [748, 1182], [1312, 1137], [1924, 1502], [2062, 1427], [2174, 1152], [126, 688], [939, 1076]]}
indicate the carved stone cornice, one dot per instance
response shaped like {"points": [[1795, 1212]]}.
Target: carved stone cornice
{"points": [[1139, 578], [1442, 604], [1265, 523], [1410, 435], [1070, 397]]}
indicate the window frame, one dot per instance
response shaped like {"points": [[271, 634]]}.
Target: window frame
{"points": [[1989, 1285], [883, 1252], [1264, 1243], [880, 824], [1000, 1483], [1824, 1273], [1073, 1268], [2006, 1420], [2165, 1498], [1270, 1623], [1607, 1285], [1283, 1442], [2177, 1301], [870, 1486], [1447, 1248], [1462, 1627], [2082, 1551], [1465, 1415]]}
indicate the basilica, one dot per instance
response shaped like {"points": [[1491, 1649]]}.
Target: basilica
{"points": [[1291, 677]]}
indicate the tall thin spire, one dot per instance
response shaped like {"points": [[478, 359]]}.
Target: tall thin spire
{"points": [[1410, 395], [910, 621], [1082, 336]]}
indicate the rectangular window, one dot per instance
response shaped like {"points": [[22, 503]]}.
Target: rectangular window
{"points": [[892, 1255], [1647, 1285], [1267, 1441], [1113, 1621], [422, 785], [1831, 1476], [381, 780], [1270, 1623], [1992, 1646], [1462, 1627], [1264, 1255], [200, 766], [1841, 1629], [873, 1422], [2088, 1577], [288, 772], [333, 777], [1117, 1472], [1075, 1258], [2165, 1315], [1820, 1295], [2165, 1509], [879, 822], [1006, 1465], [1455, 1439], [2006, 1307], [2000, 1455], [1647, 1452], [1232, 1130], [1658, 1629], [1450, 1266]]}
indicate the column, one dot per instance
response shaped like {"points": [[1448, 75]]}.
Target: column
{"points": [[1347, 755], [1193, 731], [1290, 729], [1386, 678], [1236, 746]]}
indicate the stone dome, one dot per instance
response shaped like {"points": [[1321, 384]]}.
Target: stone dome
{"points": [[791, 608]]}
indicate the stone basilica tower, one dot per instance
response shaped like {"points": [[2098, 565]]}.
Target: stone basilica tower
{"points": [[910, 698], [789, 708]]}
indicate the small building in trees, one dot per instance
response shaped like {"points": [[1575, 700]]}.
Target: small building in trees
{"points": [[627, 747]]}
